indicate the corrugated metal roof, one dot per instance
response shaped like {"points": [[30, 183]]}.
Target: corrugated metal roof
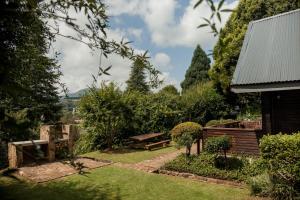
{"points": [[270, 52]]}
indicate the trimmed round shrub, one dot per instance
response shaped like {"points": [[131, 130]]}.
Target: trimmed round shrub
{"points": [[217, 144], [185, 134]]}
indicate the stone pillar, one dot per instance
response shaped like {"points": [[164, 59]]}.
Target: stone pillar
{"points": [[48, 132], [70, 132], [15, 155]]}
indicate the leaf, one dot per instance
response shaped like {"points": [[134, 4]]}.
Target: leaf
{"points": [[221, 4], [145, 54], [207, 20], [212, 6], [219, 16], [202, 25], [198, 3], [226, 10]]}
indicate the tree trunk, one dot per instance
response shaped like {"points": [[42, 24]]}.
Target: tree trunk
{"points": [[188, 151]]}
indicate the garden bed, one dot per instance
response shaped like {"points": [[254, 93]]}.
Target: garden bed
{"points": [[200, 178], [237, 169]]}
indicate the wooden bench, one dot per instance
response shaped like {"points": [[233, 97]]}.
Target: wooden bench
{"points": [[163, 143]]}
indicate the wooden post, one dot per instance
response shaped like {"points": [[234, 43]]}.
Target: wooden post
{"points": [[48, 132], [198, 146], [15, 155], [266, 101]]}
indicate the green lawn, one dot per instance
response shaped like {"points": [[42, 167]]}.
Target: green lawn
{"points": [[129, 156], [118, 183]]}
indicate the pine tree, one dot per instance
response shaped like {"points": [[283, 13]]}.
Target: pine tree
{"points": [[198, 70], [137, 78], [28, 78]]}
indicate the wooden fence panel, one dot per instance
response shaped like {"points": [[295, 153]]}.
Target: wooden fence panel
{"points": [[243, 141]]}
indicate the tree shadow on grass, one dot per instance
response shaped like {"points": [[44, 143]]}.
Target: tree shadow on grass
{"points": [[11, 189]]}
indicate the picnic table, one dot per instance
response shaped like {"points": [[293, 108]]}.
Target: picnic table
{"points": [[142, 139]]}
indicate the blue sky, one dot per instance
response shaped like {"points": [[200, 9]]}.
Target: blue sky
{"points": [[166, 28]]}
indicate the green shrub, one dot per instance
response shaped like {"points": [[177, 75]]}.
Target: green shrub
{"points": [[256, 167], [218, 122], [260, 185], [282, 154], [202, 103], [185, 134], [204, 165], [152, 112], [104, 116], [217, 144]]}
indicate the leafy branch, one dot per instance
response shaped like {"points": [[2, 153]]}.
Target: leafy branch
{"points": [[216, 11]]}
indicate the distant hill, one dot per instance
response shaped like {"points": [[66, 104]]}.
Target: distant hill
{"points": [[78, 94]]}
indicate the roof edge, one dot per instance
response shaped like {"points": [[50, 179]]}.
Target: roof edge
{"points": [[275, 16], [250, 88]]}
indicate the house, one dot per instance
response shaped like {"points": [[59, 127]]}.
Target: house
{"points": [[269, 64]]}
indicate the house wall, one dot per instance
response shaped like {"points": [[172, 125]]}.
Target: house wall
{"points": [[281, 111]]}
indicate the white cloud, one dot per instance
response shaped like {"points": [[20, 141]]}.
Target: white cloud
{"points": [[162, 61], [165, 28], [79, 63], [135, 32]]}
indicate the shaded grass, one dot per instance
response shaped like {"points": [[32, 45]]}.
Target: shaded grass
{"points": [[129, 155], [118, 183]]}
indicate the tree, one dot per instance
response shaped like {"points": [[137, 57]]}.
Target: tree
{"points": [[202, 103], [198, 70], [105, 115], [28, 78], [137, 78], [227, 50], [169, 89]]}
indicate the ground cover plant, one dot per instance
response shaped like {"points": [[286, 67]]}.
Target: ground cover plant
{"points": [[112, 183], [211, 165]]}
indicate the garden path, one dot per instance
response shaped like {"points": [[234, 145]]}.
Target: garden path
{"points": [[154, 164]]}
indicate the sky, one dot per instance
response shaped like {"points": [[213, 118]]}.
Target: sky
{"points": [[166, 28]]}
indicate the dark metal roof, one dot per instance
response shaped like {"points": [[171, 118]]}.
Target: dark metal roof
{"points": [[270, 56]]}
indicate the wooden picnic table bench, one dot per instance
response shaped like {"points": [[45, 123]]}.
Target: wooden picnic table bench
{"points": [[163, 143], [144, 141], [144, 137]]}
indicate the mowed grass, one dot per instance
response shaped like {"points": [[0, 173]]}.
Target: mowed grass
{"points": [[113, 183], [129, 156]]}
